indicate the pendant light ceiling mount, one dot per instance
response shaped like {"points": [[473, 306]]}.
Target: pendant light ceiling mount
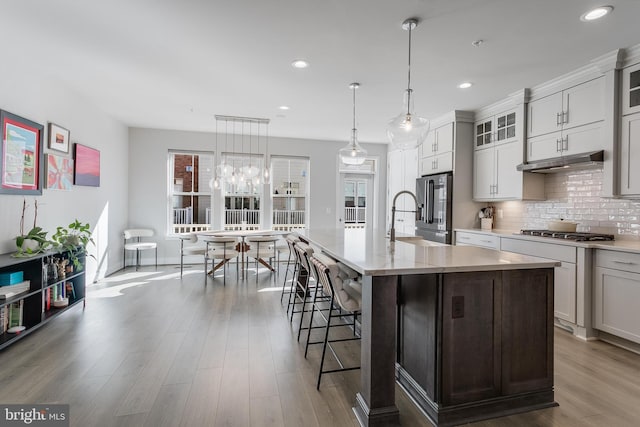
{"points": [[407, 130], [353, 153]]}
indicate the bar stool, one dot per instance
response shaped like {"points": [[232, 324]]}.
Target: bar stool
{"points": [[223, 249], [291, 240], [343, 292], [304, 289]]}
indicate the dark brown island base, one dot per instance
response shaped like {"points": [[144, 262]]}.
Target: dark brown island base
{"points": [[466, 331]]}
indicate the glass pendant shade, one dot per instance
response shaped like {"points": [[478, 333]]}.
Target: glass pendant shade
{"points": [[407, 130], [353, 153]]}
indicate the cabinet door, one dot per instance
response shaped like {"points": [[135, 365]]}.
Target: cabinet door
{"points": [[444, 138], [584, 103], [616, 303], [429, 144], [543, 115], [437, 164], [505, 127], [544, 147], [564, 293], [631, 90], [483, 132], [630, 155], [508, 181], [583, 139], [483, 173], [395, 179]]}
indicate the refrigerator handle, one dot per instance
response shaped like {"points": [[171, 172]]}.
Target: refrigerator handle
{"points": [[430, 202]]}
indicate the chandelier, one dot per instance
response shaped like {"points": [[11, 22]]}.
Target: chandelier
{"points": [[353, 153], [241, 165]]}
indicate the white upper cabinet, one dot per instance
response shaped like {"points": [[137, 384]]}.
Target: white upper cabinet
{"points": [[499, 149], [631, 90], [497, 129], [436, 152], [402, 171], [576, 106], [567, 122], [630, 155]]}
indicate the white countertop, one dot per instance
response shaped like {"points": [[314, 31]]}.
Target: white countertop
{"points": [[370, 252], [632, 246]]}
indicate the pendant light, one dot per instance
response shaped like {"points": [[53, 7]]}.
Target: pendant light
{"points": [[353, 153], [407, 130]]}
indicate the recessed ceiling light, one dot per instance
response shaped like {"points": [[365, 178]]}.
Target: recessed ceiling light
{"points": [[477, 43], [596, 13], [465, 85], [284, 107], [300, 63]]}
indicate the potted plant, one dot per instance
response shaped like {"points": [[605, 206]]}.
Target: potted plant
{"points": [[73, 239], [35, 240]]}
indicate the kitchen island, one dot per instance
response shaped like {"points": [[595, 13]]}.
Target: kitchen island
{"points": [[466, 331]]}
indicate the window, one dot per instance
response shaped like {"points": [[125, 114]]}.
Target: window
{"points": [[189, 205], [290, 183], [242, 190]]}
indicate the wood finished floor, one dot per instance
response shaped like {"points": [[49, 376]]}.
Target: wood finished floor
{"points": [[153, 350]]}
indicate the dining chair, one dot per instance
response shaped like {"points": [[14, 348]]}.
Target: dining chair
{"points": [[263, 250], [191, 250], [345, 299], [136, 239], [220, 248]]}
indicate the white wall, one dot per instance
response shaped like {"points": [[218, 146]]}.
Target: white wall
{"points": [[148, 149], [41, 99]]}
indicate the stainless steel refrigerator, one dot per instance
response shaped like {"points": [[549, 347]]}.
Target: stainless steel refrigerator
{"points": [[434, 200]]}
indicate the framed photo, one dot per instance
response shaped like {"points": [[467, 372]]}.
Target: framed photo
{"points": [[21, 164], [59, 172], [59, 138], [87, 166]]}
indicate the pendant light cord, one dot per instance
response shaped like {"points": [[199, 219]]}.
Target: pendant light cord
{"points": [[409, 74], [353, 130]]}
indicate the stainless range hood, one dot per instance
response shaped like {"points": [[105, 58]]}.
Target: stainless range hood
{"points": [[592, 159]]}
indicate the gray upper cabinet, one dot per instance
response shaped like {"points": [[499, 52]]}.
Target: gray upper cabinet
{"points": [[631, 90]]}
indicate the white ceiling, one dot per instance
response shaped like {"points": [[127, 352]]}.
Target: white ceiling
{"points": [[174, 64]]}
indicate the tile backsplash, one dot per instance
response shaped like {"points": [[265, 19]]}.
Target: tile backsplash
{"points": [[574, 196]]}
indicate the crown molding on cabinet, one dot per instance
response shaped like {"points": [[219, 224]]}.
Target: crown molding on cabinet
{"points": [[631, 56], [609, 61], [453, 116], [511, 101]]}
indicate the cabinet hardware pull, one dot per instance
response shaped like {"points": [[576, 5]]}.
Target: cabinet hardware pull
{"points": [[565, 117], [565, 143], [558, 146], [624, 262], [558, 122], [486, 241]]}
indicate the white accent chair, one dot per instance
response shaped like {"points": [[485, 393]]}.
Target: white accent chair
{"points": [[136, 239], [192, 249], [222, 249], [263, 250]]}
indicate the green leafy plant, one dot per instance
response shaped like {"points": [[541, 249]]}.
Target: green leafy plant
{"points": [[74, 239], [35, 240]]}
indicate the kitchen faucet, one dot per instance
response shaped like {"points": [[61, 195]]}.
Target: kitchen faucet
{"points": [[392, 233]]}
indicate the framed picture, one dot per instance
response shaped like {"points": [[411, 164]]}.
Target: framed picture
{"points": [[58, 138], [59, 172], [21, 165], [87, 166]]}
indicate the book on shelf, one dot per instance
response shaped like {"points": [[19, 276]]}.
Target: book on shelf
{"points": [[16, 310], [13, 290]]}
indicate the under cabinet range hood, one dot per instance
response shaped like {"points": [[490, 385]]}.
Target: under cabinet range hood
{"points": [[591, 159]]}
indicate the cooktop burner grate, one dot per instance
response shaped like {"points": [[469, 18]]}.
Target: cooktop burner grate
{"points": [[576, 236]]}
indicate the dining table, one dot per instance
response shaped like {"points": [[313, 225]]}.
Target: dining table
{"points": [[243, 234]]}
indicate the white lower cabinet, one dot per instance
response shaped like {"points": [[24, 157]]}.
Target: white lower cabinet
{"points": [[483, 240], [565, 276], [617, 292]]}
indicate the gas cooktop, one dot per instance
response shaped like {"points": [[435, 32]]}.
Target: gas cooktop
{"points": [[576, 236]]}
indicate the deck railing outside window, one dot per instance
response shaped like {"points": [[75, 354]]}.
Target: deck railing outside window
{"points": [[355, 215]]}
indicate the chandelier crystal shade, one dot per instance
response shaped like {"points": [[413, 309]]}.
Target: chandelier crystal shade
{"points": [[353, 153], [407, 130]]}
